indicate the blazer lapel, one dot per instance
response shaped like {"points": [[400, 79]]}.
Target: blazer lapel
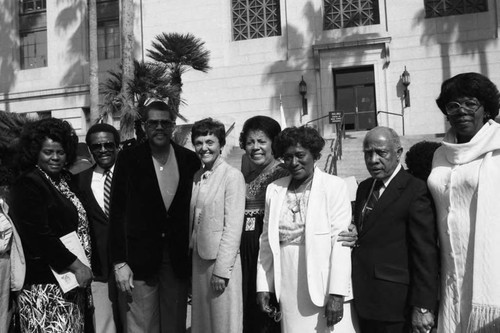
{"points": [[390, 194], [88, 180], [277, 199], [313, 204]]}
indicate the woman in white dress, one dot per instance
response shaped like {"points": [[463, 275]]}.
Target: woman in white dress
{"points": [[465, 183], [300, 259]]}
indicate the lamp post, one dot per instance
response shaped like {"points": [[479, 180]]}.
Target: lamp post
{"points": [[303, 92], [406, 80]]}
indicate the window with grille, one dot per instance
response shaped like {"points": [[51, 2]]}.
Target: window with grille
{"points": [[32, 6], [438, 8], [108, 29], [33, 49], [350, 13], [256, 19], [32, 34], [108, 40]]}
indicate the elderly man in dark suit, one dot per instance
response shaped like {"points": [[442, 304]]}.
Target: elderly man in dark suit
{"points": [[395, 260], [149, 234], [95, 184]]}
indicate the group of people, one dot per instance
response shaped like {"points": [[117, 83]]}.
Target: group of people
{"points": [[272, 247]]}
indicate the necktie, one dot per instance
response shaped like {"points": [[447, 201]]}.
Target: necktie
{"points": [[107, 190], [371, 202]]}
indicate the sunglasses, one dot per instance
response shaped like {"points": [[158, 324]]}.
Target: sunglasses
{"points": [[470, 106], [152, 124], [103, 145]]}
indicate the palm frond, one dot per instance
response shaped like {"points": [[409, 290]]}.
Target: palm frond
{"points": [[183, 50]]}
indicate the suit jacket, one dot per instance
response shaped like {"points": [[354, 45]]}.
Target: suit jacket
{"points": [[139, 223], [395, 263], [98, 225], [220, 217], [42, 215], [328, 263]]}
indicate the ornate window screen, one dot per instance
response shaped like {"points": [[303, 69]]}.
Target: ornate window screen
{"points": [[350, 13], [438, 8], [255, 19]]}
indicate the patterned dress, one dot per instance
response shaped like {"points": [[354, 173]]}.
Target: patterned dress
{"points": [[44, 307], [254, 320]]}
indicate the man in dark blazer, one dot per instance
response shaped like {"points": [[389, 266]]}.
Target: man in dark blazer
{"points": [[103, 141], [149, 234], [395, 260]]}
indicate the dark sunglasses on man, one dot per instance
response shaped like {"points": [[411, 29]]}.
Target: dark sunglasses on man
{"points": [[152, 124], [103, 145]]}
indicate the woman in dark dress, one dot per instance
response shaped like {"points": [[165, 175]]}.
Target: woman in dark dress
{"points": [[257, 139], [44, 207]]}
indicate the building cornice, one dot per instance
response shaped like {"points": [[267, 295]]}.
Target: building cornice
{"points": [[317, 48], [45, 93]]}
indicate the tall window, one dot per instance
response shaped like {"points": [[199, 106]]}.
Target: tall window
{"points": [[108, 40], [256, 19], [32, 33], [350, 13], [108, 29], [437, 8]]}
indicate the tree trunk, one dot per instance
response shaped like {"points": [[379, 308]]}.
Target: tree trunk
{"points": [[128, 114], [93, 63]]}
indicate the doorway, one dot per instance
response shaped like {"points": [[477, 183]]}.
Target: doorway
{"points": [[354, 91]]}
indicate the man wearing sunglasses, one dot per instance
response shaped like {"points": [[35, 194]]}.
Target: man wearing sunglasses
{"points": [[149, 230], [95, 184]]}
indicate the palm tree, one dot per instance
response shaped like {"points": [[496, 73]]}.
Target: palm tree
{"points": [[179, 53], [128, 114], [93, 63], [150, 82]]}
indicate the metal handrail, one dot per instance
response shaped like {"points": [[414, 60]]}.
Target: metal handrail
{"points": [[402, 115], [230, 129]]}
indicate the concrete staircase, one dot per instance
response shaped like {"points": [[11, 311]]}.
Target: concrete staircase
{"points": [[352, 162], [233, 156]]}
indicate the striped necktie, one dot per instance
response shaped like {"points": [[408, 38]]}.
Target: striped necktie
{"points": [[371, 202], [107, 190]]}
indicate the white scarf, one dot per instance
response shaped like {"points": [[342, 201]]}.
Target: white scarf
{"points": [[486, 266]]}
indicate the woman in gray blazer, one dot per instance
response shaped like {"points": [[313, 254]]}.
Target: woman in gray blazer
{"points": [[217, 209]]}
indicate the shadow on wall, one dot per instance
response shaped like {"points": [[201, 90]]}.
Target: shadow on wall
{"points": [[9, 52], [298, 45], [454, 36], [76, 12], [449, 32]]}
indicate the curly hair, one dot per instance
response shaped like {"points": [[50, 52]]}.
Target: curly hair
{"points": [[419, 158], [471, 85], [307, 137], [209, 126], [34, 135], [270, 127]]}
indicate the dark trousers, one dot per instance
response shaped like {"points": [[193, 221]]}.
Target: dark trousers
{"points": [[375, 326]]}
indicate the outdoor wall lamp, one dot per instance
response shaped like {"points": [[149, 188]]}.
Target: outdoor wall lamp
{"points": [[303, 92], [405, 79]]}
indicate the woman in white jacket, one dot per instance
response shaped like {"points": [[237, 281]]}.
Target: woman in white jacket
{"points": [[300, 260]]}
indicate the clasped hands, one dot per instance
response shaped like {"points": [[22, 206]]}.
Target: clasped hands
{"points": [[334, 308]]}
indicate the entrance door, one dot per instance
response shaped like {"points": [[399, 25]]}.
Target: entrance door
{"points": [[355, 96]]}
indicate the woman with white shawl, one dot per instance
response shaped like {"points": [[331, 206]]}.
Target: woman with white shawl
{"points": [[465, 185]]}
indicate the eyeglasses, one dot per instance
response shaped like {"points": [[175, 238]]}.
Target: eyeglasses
{"points": [[469, 105], [103, 145], [152, 124], [274, 313]]}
